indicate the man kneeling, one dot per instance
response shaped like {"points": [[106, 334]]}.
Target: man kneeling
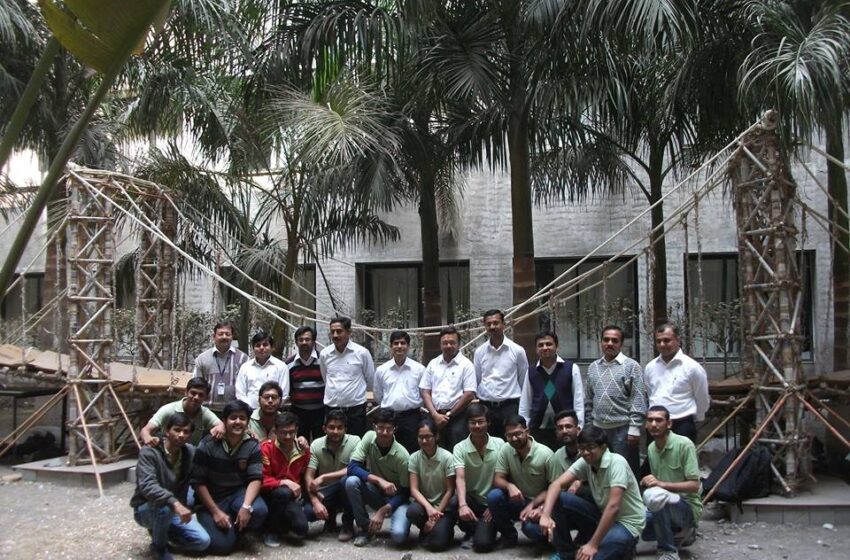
{"points": [[672, 490], [162, 480], [608, 528]]}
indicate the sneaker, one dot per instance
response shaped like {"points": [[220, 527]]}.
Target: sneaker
{"points": [[161, 554], [271, 540], [667, 555], [685, 537], [362, 539], [346, 534], [330, 527]]}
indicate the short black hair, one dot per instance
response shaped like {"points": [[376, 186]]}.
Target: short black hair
{"points": [[235, 406], [544, 334], [428, 423], [180, 420], [659, 408], [344, 321], [261, 336], [305, 328], [516, 420], [285, 419], [398, 335], [384, 416], [491, 312], [270, 385], [336, 414], [592, 435], [477, 410], [198, 383], [567, 413], [668, 325], [612, 328], [449, 330], [225, 324]]}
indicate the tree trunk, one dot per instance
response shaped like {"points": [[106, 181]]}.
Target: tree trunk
{"points": [[659, 251], [280, 332], [837, 187], [430, 233]]}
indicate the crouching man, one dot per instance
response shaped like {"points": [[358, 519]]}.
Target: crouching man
{"points": [[162, 479], [227, 475], [672, 490], [609, 527]]}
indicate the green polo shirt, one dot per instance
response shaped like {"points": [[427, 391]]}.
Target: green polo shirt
{"points": [[256, 427], [324, 460], [432, 473], [614, 471], [677, 462], [204, 420], [560, 462], [392, 467], [531, 475], [478, 468]]}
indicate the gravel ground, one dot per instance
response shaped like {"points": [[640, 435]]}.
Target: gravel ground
{"points": [[44, 520]]}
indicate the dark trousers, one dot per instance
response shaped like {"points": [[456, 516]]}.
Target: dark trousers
{"points": [[310, 421], [454, 432], [686, 426], [573, 512], [546, 436], [442, 535], [618, 442], [506, 511], [499, 411], [406, 424], [356, 419], [223, 541], [334, 499], [285, 513], [483, 532]]}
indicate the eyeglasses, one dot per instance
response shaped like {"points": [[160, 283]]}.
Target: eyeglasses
{"points": [[384, 429], [426, 437], [270, 397], [515, 435], [587, 448]]}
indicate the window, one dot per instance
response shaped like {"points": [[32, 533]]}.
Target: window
{"points": [[305, 276], [11, 306], [717, 334], [578, 320]]}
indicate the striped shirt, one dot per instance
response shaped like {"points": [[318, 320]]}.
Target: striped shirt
{"points": [[223, 470], [306, 384]]}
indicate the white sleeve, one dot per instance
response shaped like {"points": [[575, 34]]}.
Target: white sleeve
{"points": [[525, 402], [242, 385], [578, 395]]}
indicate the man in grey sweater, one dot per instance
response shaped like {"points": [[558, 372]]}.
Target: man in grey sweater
{"points": [[615, 397], [162, 479]]}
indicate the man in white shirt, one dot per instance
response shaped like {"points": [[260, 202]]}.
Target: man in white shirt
{"points": [[219, 366], [349, 372], [677, 382], [261, 368], [448, 386], [501, 368], [397, 389]]}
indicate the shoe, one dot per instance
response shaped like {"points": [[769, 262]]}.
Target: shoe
{"points": [[330, 527], [507, 542], [685, 537], [346, 534], [160, 553], [362, 539], [667, 555], [271, 540]]}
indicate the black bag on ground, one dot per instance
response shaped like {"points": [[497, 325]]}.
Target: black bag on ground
{"points": [[750, 479]]}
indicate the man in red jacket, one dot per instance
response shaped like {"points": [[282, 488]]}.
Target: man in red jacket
{"points": [[284, 465]]}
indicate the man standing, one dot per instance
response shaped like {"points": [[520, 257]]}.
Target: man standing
{"points": [[501, 368], [609, 527], [326, 472], [162, 481], [284, 465], [219, 365], [397, 389], [553, 385], [306, 384], [523, 473], [616, 397], [377, 478], [261, 368], [261, 425], [672, 490], [475, 466], [447, 388], [203, 419], [348, 371], [677, 382], [227, 476]]}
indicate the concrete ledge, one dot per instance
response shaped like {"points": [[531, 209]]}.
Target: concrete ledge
{"points": [[57, 470], [826, 501]]}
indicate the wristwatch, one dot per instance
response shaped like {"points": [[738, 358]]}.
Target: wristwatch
{"points": [[248, 507], [449, 414]]}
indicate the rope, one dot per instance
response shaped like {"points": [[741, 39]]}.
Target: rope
{"points": [[701, 294]]}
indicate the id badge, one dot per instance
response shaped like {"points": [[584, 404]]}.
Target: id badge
{"points": [[219, 389]]}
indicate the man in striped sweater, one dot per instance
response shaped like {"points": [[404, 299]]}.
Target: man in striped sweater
{"points": [[306, 384], [615, 397]]}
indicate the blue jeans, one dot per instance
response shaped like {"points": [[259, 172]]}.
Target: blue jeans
{"points": [[663, 524], [165, 525], [572, 512], [361, 494], [334, 500], [223, 541], [618, 442], [505, 511]]}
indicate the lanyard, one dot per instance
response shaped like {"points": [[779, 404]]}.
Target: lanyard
{"points": [[226, 367]]}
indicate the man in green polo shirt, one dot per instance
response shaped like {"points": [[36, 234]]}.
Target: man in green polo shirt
{"points": [[377, 478], [523, 473], [262, 421], [326, 472], [204, 420], [672, 490], [609, 527], [475, 467]]}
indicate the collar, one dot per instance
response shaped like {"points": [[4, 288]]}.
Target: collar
{"points": [[531, 443], [344, 350], [619, 358], [226, 445], [345, 439], [266, 363], [228, 351], [313, 357], [605, 462], [558, 360], [452, 361], [293, 455], [402, 366], [491, 348], [680, 357]]}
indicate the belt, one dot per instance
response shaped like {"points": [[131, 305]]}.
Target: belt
{"points": [[348, 408], [408, 412], [499, 404]]}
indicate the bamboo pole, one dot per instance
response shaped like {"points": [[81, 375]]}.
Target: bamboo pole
{"points": [[82, 419]]}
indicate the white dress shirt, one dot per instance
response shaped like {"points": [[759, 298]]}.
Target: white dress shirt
{"points": [[447, 381], [681, 385], [578, 394], [252, 376], [501, 371], [348, 374], [397, 386]]}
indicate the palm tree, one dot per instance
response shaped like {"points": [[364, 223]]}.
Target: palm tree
{"points": [[798, 64]]}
